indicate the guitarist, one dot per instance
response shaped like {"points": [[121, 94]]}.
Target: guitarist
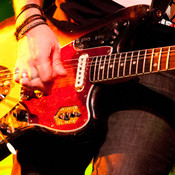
{"points": [[141, 136]]}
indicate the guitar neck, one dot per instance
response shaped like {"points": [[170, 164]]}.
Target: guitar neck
{"points": [[129, 64]]}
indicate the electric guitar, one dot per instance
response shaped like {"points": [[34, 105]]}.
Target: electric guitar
{"points": [[90, 58]]}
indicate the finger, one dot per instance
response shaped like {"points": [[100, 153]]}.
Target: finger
{"points": [[37, 84], [24, 80], [44, 70], [16, 75], [33, 82], [58, 68], [34, 73], [34, 76]]}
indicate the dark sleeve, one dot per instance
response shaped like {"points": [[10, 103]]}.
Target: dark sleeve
{"points": [[83, 11]]}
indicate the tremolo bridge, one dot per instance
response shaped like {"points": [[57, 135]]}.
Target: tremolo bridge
{"points": [[15, 120]]}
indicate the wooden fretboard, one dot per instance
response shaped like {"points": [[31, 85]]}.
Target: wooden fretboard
{"points": [[129, 64]]}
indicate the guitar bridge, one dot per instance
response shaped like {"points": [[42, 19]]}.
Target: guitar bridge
{"points": [[67, 115], [15, 120]]}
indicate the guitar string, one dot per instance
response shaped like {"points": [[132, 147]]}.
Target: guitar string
{"points": [[123, 53], [138, 70], [135, 56], [122, 58], [130, 52], [89, 64]]}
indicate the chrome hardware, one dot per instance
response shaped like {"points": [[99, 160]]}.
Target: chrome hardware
{"points": [[67, 115], [16, 119]]}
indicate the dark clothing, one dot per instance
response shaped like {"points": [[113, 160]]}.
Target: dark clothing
{"points": [[89, 11], [141, 133]]}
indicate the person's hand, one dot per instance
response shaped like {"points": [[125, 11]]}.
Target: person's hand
{"points": [[38, 58]]}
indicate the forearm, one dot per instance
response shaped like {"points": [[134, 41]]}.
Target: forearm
{"points": [[38, 51], [19, 4]]}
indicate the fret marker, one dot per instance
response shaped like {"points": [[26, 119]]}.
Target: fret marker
{"points": [[122, 64], [111, 66], [134, 62], [101, 67], [156, 54], [155, 64]]}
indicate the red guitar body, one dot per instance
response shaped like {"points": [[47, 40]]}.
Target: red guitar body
{"points": [[65, 109]]}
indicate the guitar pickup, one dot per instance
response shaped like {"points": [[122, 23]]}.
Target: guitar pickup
{"points": [[80, 76]]}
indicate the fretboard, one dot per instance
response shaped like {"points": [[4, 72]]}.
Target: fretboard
{"points": [[129, 64]]}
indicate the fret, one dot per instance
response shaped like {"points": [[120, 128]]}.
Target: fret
{"points": [[113, 69], [110, 67], [151, 61], [168, 57], [138, 55], [164, 59], [155, 60], [172, 58], [140, 62], [127, 64], [118, 67], [103, 76], [101, 68], [148, 61], [159, 60], [130, 65], [144, 62], [134, 63], [124, 66], [106, 67]]}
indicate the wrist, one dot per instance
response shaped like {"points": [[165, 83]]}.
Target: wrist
{"points": [[25, 15], [30, 16], [27, 11]]}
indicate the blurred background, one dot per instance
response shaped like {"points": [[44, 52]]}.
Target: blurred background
{"points": [[6, 9]]}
